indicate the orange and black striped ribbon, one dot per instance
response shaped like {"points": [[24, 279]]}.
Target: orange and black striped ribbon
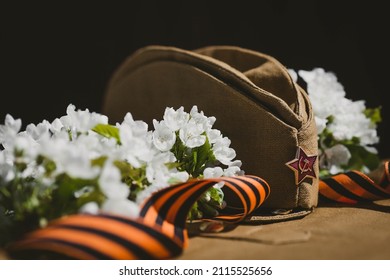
{"points": [[159, 233], [355, 186]]}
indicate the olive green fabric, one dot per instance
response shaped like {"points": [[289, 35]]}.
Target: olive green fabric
{"points": [[254, 99]]}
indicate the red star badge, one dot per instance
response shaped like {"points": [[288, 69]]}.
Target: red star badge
{"points": [[302, 165]]}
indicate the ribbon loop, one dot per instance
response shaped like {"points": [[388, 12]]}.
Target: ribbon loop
{"points": [[159, 233], [355, 186]]}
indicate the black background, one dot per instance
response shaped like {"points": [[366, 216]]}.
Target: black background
{"points": [[53, 54]]}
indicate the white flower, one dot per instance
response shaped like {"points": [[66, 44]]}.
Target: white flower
{"points": [[157, 171], [223, 152], [341, 118], [324, 90], [122, 207], [73, 157], [56, 126], [212, 172], [38, 131], [160, 178], [163, 137], [327, 96], [138, 128], [134, 148], [176, 177], [175, 119], [9, 130], [7, 172], [191, 134], [236, 162], [90, 208], [25, 144], [336, 156], [371, 150], [293, 74], [69, 146], [219, 185], [351, 122], [200, 118], [81, 120], [232, 171], [213, 135], [110, 183], [320, 124]]}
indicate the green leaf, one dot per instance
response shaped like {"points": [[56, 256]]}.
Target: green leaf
{"points": [[195, 213], [108, 131], [374, 114], [64, 201], [49, 165], [354, 141], [324, 173], [135, 178], [360, 157], [172, 165], [326, 139], [208, 205], [194, 164], [330, 119], [127, 170], [203, 157], [178, 149], [96, 196], [206, 155], [216, 195], [208, 209], [99, 161]]}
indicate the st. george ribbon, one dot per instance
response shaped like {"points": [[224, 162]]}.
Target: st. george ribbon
{"points": [[160, 231]]}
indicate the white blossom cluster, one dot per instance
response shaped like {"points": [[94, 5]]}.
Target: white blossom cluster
{"points": [[72, 144], [337, 116], [193, 129]]}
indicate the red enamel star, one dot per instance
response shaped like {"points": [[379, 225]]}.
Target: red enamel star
{"points": [[302, 165]]}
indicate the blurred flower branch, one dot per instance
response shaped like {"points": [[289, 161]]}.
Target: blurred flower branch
{"points": [[347, 130]]}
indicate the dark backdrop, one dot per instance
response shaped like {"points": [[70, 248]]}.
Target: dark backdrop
{"points": [[53, 54]]}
